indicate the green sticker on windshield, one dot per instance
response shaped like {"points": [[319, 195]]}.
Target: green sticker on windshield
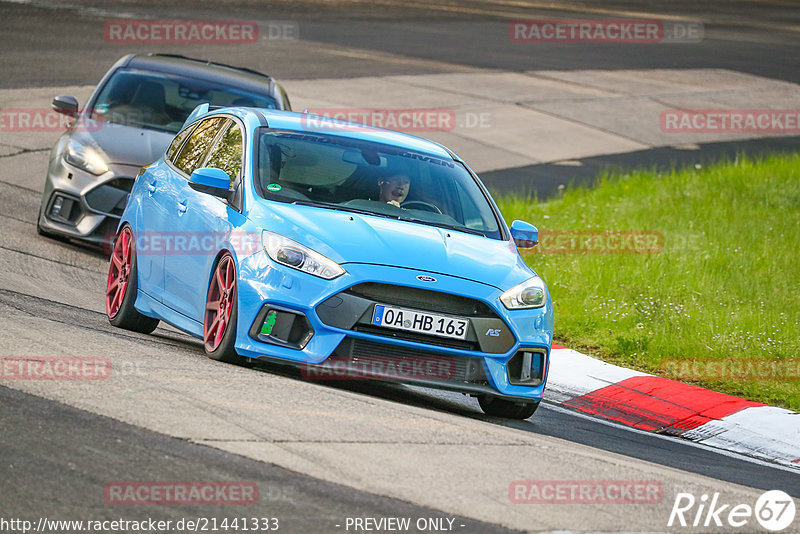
{"points": [[273, 187]]}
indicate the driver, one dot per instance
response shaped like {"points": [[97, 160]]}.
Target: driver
{"points": [[394, 188]]}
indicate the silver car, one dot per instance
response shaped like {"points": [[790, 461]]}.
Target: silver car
{"points": [[130, 119]]}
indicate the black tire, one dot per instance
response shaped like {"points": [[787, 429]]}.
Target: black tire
{"points": [[127, 316], [226, 350], [497, 407]]}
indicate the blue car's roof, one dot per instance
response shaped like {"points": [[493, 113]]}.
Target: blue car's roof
{"points": [[300, 122]]}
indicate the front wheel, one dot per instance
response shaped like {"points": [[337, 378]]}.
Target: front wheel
{"points": [[121, 287], [497, 407], [219, 322]]}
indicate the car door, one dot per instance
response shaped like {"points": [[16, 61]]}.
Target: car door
{"points": [[157, 214], [191, 155], [207, 222]]}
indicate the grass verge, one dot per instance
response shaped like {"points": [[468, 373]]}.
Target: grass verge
{"points": [[714, 302]]}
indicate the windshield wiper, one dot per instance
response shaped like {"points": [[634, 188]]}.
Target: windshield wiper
{"points": [[443, 225], [338, 207]]}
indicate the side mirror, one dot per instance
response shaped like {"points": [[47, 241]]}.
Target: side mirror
{"points": [[65, 104], [525, 234], [212, 181]]}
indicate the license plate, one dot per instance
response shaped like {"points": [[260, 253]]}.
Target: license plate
{"points": [[420, 322]]}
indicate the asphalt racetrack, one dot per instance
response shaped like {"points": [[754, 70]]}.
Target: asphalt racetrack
{"points": [[323, 454]]}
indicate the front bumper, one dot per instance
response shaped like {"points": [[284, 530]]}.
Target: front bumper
{"points": [[337, 342], [82, 206]]}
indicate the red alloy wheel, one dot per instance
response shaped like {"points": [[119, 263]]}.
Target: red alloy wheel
{"points": [[220, 302], [119, 272]]}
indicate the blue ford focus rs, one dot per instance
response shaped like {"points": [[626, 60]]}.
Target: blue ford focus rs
{"points": [[350, 251]]}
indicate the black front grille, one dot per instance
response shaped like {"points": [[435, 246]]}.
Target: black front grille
{"points": [[353, 309], [389, 362], [422, 299], [419, 338]]}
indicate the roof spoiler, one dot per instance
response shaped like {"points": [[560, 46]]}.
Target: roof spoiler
{"points": [[198, 112]]}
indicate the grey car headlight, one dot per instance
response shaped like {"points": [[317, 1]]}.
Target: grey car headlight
{"points": [[300, 257], [85, 158], [531, 293]]}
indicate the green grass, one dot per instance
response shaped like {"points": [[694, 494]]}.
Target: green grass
{"points": [[725, 286]]}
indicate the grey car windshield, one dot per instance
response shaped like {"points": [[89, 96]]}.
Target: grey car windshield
{"points": [[159, 101], [343, 173]]}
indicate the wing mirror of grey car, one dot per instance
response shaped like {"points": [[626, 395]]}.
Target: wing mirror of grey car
{"points": [[66, 105], [525, 234], [212, 181]]}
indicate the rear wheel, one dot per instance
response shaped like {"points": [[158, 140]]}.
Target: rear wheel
{"points": [[121, 287], [219, 322], [497, 407]]}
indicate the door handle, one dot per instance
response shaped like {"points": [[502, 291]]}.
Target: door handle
{"points": [[151, 187], [182, 207]]}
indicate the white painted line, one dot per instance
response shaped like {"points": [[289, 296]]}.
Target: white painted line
{"points": [[762, 431], [724, 452]]}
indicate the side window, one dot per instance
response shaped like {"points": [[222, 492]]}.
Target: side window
{"points": [[177, 142], [227, 154], [196, 147]]}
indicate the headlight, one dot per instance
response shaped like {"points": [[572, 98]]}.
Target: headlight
{"points": [[300, 257], [85, 158], [531, 293]]}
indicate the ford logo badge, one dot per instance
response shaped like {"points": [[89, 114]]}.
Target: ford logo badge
{"points": [[424, 278]]}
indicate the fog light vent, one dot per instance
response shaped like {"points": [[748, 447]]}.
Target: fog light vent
{"points": [[57, 205], [64, 209], [282, 327], [526, 367]]}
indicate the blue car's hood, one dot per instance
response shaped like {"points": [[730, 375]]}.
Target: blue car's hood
{"points": [[354, 238], [125, 144]]}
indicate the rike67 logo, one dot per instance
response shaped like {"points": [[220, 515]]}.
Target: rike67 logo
{"points": [[774, 510]]}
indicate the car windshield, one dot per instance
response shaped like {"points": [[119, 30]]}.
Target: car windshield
{"points": [[159, 101], [342, 173]]}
